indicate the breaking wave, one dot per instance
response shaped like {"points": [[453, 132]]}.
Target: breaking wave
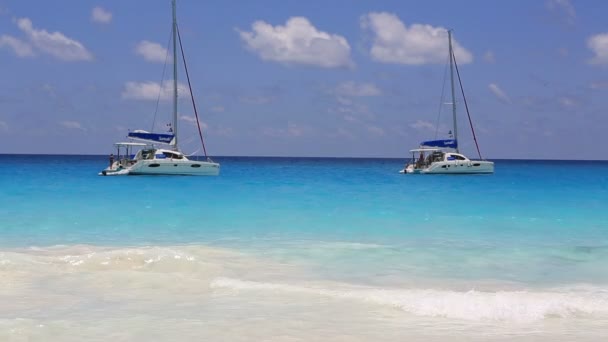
{"points": [[513, 306]]}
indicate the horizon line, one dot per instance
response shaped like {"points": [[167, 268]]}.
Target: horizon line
{"points": [[303, 157]]}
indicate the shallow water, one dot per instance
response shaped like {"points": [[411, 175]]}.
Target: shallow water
{"points": [[288, 249]]}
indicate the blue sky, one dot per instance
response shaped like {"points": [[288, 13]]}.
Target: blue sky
{"points": [[307, 78]]}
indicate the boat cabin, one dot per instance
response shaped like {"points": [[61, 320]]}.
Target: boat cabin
{"points": [[423, 157], [150, 153]]}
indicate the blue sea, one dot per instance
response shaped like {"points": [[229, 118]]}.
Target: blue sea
{"points": [[303, 249]]}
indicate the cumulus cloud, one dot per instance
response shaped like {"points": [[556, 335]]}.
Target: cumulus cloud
{"points": [[151, 90], [499, 93], [100, 15], [72, 125], [354, 89], [19, 47], [297, 42], [394, 42], [152, 52], [55, 44], [599, 45]]}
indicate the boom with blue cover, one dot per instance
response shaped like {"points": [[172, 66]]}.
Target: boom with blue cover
{"points": [[152, 137], [444, 143]]}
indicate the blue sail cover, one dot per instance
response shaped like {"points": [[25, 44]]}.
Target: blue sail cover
{"points": [[445, 143], [152, 137]]}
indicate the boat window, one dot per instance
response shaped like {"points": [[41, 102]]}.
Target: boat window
{"points": [[146, 154], [172, 155], [458, 157], [150, 154]]}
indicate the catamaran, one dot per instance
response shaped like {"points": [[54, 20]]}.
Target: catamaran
{"points": [[148, 153], [443, 156]]}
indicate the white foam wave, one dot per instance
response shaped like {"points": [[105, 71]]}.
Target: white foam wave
{"points": [[92, 258], [513, 306]]}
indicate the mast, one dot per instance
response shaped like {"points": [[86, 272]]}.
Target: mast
{"points": [[174, 75], [452, 82]]}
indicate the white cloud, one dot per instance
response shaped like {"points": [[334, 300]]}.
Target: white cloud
{"points": [[393, 42], [19, 47], [152, 52], [354, 89], [298, 42], [423, 125], [599, 45], [100, 15], [499, 93], [151, 90], [489, 57], [72, 125], [55, 44], [563, 6]]}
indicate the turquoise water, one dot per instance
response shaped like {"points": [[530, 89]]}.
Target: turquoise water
{"points": [[531, 226]]}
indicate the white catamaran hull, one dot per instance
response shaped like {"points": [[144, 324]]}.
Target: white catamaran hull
{"points": [[448, 167], [175, 167], [166, 167]]}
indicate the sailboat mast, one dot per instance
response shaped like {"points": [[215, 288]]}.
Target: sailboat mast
{"points": [[174, 75], [453, 94]]}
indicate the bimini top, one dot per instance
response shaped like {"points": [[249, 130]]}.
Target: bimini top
{"points": [[444, 143], [162, 138], [425, 150], [130, 144]]}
